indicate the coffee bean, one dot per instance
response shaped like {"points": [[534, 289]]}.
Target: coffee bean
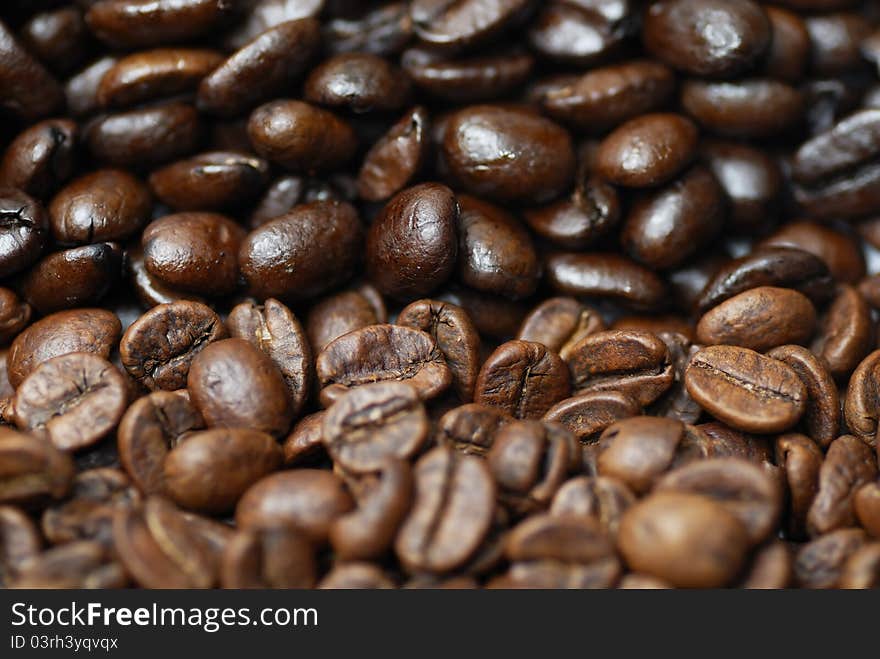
{"points": [[631, 362], [688, 540], [455, 336], [305, 441], [471, 428], [819, 563], [19, 542], [745, 389], [451, 512], [601, 498], [383, 30], [862, 568], [396, 158], [413, 244], [866, 504], [606, 276], [356, 576], [41, 157], [560, 323], [582, 34], [522, 378], [800, 459], [789, 51], [82, 564], [358, 82], [847, 332], [587, 415], [343, 312], [861, 407], [382, 352], [839, 250], [236, 385], [849, 464], [158, 348], [58, 38], [14, 315], [268, 558], [81, 89], [452, 26], [24, 230], [771, 568], [303, 253], [30, 91], [834, 40], [34, 470], [73, 400]]}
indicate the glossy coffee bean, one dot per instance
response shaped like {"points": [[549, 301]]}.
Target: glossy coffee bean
{"points": [[14, 315], [605, 276], [109, 204], [522, 378], [839, 250], [24, 230], [58, 38], [587, 415], [847, 332], [358, 82], [861, 408], [560, 323], [41, 157], [396, 158], [30, 91], [494, 166], [835, 40], [216, 180], [236, 385], [382, 352], [717, 38], [73, 400], [261, 68], [81, 89], [453, 26], [301, 137], [34, 470], [601, 498], [800, 459], [759, 318], [264, 14], [471, 428], [303, 253], [343, 312], [413, 244], [789, 51], [451, 512], [849, 464], [745, 389]]}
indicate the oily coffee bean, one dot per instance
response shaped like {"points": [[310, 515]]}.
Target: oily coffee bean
{"points": [[789, 51], [745, 389], [759, 318], [274, 329], [368, 532], [861, 407], [373, 423], [303, 253], [455, 336], [451, 512], [744, 489], [819, 563], [358, 82], [497, 169], [452, 26], [212, 469], [822, 413], [159, 347], [847, 332], [801, 460], [309, 499], [32, 470], [149, 429], [560, 323], [264, 14], [839, 250], [41, 157], [19, 541], [587, 415], [849, 464], [216, 180], [279, 557], [602, 498], [81, 89], [305, 441], [522, 378], [493, 316], [471, 428], [383, 30], [382, 352], [344, 312], [30, 91], [835, 42], [412, 245], [14, 315], [73, 400], [109, 204], [631, 362], [264, 66], [24, 230], [234, 384], [396, 158], [689, 540]]}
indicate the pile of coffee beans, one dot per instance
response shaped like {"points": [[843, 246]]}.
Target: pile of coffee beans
{"points": [[435, 294]]}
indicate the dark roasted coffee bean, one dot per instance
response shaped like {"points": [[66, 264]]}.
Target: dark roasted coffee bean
{"points": [[839, 250], [14, 315], [451, 513], [383, 30], [158, 348], [264, 14], [722, 441], [236, 385], [308, 499], [58, 38], [358, 82], [139, 23], [688, 540], [151, 427], [781, 267], [606, 276], [789, 52], [745, 389], [455, 336], [261, 68], [210, 181], [759, 318], [559, 324], [495, 166], [24, 230], [847, 332], [301, 137], [819, 563], [523, 378], [396, 158], [356, 576], [718, 38], [471, 428], [835, 40], [497, 317], [155, 74], [587, 415], [631, 362], [280, 557], [861, 408], [602, 498], [29, 90], [33, 471], [81, 89], [413, 243], [454, 25], [109, 204], [145, 137], [800, 459], [605, 97], [303, 253], [822, 414], [212, 469], [77, 330], [382, 352], [849, 464], [274, 329], [343, 312], [73, 400], [41, 157]]}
